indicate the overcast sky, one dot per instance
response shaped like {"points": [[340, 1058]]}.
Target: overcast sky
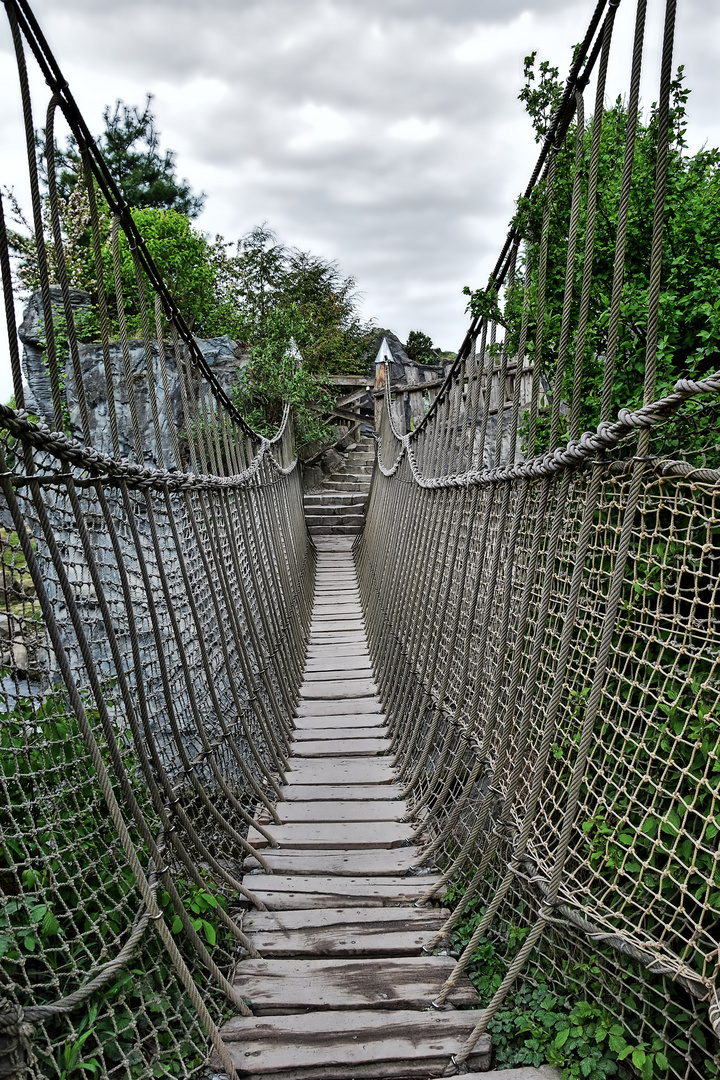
{"points": [[385, 134]]}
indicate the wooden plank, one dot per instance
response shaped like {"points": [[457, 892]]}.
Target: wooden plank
{"points": [[301, 735], [340, 720], [360, 1044], [338, 637], [348, 835], [317, 665], [349, 942], [338, 625], [341, 747], [281, 892], [322, 651], [334, 671], [299, 792], [334, 609], [334, 594], [339, 771], [397, 861], [379, 918], [281, 986], [335, 654], [332, 615], [525, 1072], [343, 932], [338, 688], [343, 705], [342, 810]]}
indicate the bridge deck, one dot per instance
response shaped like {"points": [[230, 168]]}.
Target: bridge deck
{"points": [[343, 988]]}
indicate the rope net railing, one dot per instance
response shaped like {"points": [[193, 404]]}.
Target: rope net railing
{"points": [[542, 603], [156, 594]]}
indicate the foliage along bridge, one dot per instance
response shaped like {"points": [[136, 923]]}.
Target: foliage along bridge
{"points": [[273, 807]]}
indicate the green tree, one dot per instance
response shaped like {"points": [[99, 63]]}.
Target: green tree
{"points": [[419, 348], [262, 276], [277, 376], [690, 284], [130, 144]]}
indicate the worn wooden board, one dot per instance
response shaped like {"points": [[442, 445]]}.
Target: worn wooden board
{"points": [[317, 665], [341, 747], [339, 771], [330, 602], [525, 1072], [349, 835], [299, 792], [303, 734], [344, 705], [323, 631], [392, 861], [280, 892], [348, 941], [342, 687], [329, 587], [336, 657], [336, 671], [339, 810], [380, 918], [343, 932], [338, 638], [337, 649], [281, 986], [339, 721], [333, 610], [337, 626], [358, 1044]]}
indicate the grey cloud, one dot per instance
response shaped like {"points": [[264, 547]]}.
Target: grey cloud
{"points": [[238, 83]]}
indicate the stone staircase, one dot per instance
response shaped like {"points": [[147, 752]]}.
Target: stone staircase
{"points": [[337, 508]]}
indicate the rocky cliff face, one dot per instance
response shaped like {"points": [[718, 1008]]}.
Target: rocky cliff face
{"points": [[222, 354]]}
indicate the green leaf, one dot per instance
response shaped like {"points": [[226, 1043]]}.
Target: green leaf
{"points": [[638, 1057], [49, 925], [562, 1037]]}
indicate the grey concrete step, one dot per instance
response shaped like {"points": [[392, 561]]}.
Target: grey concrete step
{"points": [[360, 459], [361, 473], [347, 485], [334, 498]]}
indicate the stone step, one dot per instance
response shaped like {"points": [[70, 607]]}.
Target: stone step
{"points": [[363, 473], [347, 485], [334, 498], [341, 504]]}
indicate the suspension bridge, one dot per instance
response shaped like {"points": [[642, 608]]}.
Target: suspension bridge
{"points": [[306, 806]]}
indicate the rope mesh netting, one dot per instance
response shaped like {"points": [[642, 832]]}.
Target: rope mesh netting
{"points": [[157, 587], [542, 607]]}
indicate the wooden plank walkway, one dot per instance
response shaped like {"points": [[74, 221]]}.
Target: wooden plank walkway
{"points": [[343, 989]]}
